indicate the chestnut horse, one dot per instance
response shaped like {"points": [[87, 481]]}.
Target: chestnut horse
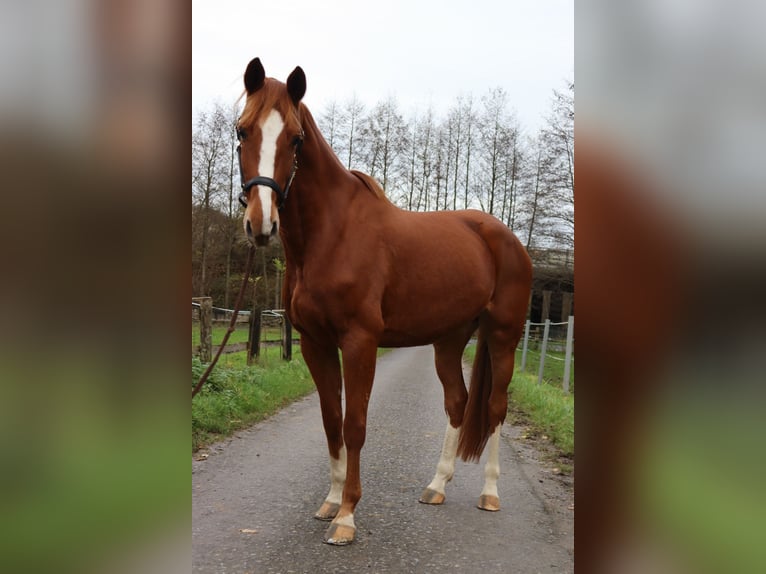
{"points": [[362, 274]]}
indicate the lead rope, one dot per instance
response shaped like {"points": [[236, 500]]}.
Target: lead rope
{"points": [[232, 324]]}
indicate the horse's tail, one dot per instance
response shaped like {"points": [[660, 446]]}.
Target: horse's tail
{"points": [[475, 431]]}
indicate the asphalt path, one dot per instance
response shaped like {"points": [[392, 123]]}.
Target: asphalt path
{"points": [[254, 497]]}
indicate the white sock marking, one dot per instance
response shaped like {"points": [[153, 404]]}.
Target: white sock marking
{"points": [[446, 466], [337, 477], [492, 468], [270, 129], [347, 520]]}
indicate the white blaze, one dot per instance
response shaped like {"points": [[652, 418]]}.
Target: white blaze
{"points": [[270, 129]]}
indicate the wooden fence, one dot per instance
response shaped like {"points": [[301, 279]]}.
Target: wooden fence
{"points": [[256, 320], [209, 315]]}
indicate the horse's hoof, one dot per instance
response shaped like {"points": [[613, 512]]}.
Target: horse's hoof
{"points": [[489, 502], [339, 534], [430, 496], [327, 511]]}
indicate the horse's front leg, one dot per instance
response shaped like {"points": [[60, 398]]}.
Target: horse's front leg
{"points": [[359, 355], [323, 363]]}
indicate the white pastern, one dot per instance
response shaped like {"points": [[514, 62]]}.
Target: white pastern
{"points": [[347, 520], [337, 477], [270, 129], [492, 468], [446, 467]]}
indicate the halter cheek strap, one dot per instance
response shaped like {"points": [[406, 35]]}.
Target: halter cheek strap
{"points": [[267, 181]]}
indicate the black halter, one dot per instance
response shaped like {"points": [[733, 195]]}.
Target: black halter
{"points": [[267, 181]]}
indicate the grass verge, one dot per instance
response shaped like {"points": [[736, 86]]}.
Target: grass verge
{"points": [[546, 408], [240, 335], [236, 395]]}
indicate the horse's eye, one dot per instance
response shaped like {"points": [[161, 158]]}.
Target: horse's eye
{"points": [[241, 134]]}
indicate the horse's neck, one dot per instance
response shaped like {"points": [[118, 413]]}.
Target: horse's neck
{"points": [[319, 196]]}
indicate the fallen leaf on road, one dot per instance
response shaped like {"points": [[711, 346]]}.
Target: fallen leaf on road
{"points": [[201, 456]]}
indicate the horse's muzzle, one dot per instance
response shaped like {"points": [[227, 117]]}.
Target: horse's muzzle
{"points": [[261, 239]]}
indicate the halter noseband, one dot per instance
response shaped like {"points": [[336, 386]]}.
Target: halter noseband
{"points": [[267, 181]]}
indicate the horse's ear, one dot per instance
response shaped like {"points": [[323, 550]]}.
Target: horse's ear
{"points": [[296, 84], [254, 76]]}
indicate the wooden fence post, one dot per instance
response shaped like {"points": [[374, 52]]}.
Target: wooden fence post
{"points": [[542, 351], [205, 328], [568, 355], [287, 343], [566, 305]]}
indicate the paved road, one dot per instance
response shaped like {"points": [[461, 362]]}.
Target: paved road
{"points": [[271, 478]]}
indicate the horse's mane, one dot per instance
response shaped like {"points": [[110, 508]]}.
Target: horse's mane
{"points": [[371, 184], [309, 124], [270, 95]]}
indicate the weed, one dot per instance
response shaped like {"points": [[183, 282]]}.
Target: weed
{"points": [[237, 395]]}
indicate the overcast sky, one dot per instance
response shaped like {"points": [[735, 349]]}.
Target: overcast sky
{"points": [[423, 52]]}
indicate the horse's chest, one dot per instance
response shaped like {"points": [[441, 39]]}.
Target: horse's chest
{"points": [[309, 311]]}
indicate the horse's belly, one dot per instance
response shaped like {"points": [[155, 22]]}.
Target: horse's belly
{"points": [[424, 329], [420, 316]]}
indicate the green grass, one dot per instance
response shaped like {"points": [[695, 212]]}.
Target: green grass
{"points": [[553, 369], [545, 406], [240, 334], [236, 395], [548, 409]]}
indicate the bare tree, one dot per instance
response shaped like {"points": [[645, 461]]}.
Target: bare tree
{"points": [[445, 157], [211, 174], [469, 119], [331, 122], [420, 163], [497, 134], [456, 124], [232, 228], [440, 167], [472, 156], [353, 116], [558, 138], [385, 138], [511, 177], [412, 155], [425, 141]]}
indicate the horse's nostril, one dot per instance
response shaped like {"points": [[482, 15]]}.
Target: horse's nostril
{"points": [[274, 228], [248, 229]]}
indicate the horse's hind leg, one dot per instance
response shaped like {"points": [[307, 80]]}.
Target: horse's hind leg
{"points": [[449, 367], [502, 339], [324, 366], [489, 498]]}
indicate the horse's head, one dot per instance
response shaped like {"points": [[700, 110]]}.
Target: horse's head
{"points": [[270, 137]]}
